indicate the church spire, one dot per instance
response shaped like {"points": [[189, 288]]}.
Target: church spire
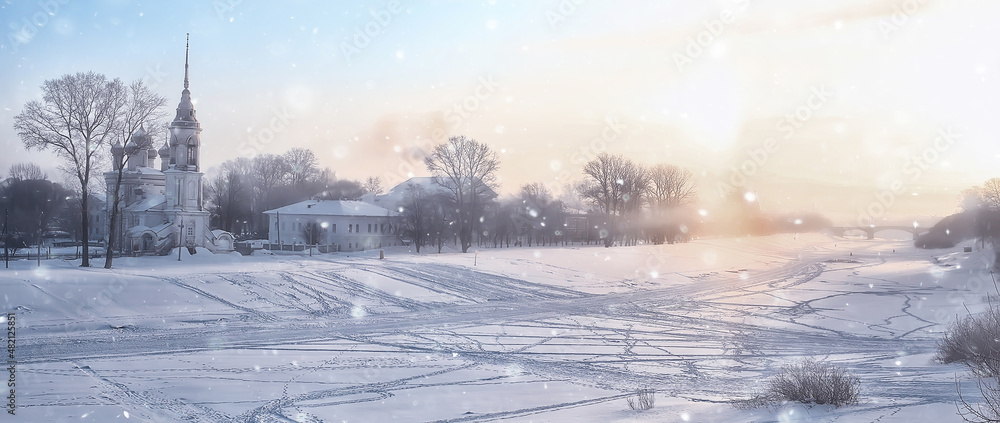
{"points": [[185, 110], [187, 47]]}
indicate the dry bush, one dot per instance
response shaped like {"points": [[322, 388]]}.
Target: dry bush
{"points": [[973, 341], [815, 382], [643, 400], [986, 412], [808, 382]]}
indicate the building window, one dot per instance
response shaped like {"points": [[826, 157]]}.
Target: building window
{"points": [[334, 228], [369, 228], [350, 228], [357, 228]]}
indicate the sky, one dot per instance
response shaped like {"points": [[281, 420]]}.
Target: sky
{"points": [[876, 108]]}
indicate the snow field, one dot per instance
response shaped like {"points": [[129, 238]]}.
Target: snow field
{"points": [[546, 334]]}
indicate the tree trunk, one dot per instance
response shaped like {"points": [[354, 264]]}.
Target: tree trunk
{"points": [[85, 226], [113, 219]]}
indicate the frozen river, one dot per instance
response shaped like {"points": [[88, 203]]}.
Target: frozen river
{"points": [[550, 334]]}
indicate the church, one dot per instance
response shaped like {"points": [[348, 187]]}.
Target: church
{"points": [[163, 207]]}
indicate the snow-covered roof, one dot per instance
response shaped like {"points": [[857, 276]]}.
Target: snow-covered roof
{"points": [[146, 170], [149, 202], [159, 228], [332, 208], [136, 230], [397, 195]]}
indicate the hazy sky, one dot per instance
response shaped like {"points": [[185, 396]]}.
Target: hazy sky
{"points": [[844, 94]]}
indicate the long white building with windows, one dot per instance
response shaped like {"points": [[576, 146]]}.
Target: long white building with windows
{"points": [[350, 225]]}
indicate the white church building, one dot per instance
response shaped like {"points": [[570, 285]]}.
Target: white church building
{"points": [[164, 208]]}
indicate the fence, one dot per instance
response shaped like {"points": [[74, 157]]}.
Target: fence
{"points": [[246, 248]]}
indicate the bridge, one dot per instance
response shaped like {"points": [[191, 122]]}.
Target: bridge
{"points": [[916, 226], [871, 230]]}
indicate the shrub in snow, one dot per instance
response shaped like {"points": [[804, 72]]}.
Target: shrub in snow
{"points": [[989, 409], [973, 341], [815, 382], [643, 399], [808, 382]]}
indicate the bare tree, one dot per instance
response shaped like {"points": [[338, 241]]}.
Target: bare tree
{"points": [[531, 216], [140, 106], [302, 166], [467, 169], [76, 118], [416, 214], [267, 172], [669, 188], [344, 189], [635, 184], [313, 233], [604, 188], [991, 193], [33, 206], [441, 223], [26, 172], [230, 192], [373, 185], [617, 187], [970, 199]]}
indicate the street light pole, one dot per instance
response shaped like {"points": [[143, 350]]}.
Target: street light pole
{"points": [[179, 235], [6, 247], [39, 257]]}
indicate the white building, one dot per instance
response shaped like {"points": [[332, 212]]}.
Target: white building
{"points": [[164, 208], [350, 225]]}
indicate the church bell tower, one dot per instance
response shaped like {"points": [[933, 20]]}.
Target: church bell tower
{"points": [[183, 178]]}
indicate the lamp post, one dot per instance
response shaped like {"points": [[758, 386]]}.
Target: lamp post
{"points": [[179, 235], [6, 246]]}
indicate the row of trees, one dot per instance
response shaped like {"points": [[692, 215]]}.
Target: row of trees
{"points": [[634, 201], [982, 206], [32, 204], [244, 188], [622, 190]]}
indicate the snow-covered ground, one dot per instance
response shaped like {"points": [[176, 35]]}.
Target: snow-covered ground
{"points": [[546, 334]]}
